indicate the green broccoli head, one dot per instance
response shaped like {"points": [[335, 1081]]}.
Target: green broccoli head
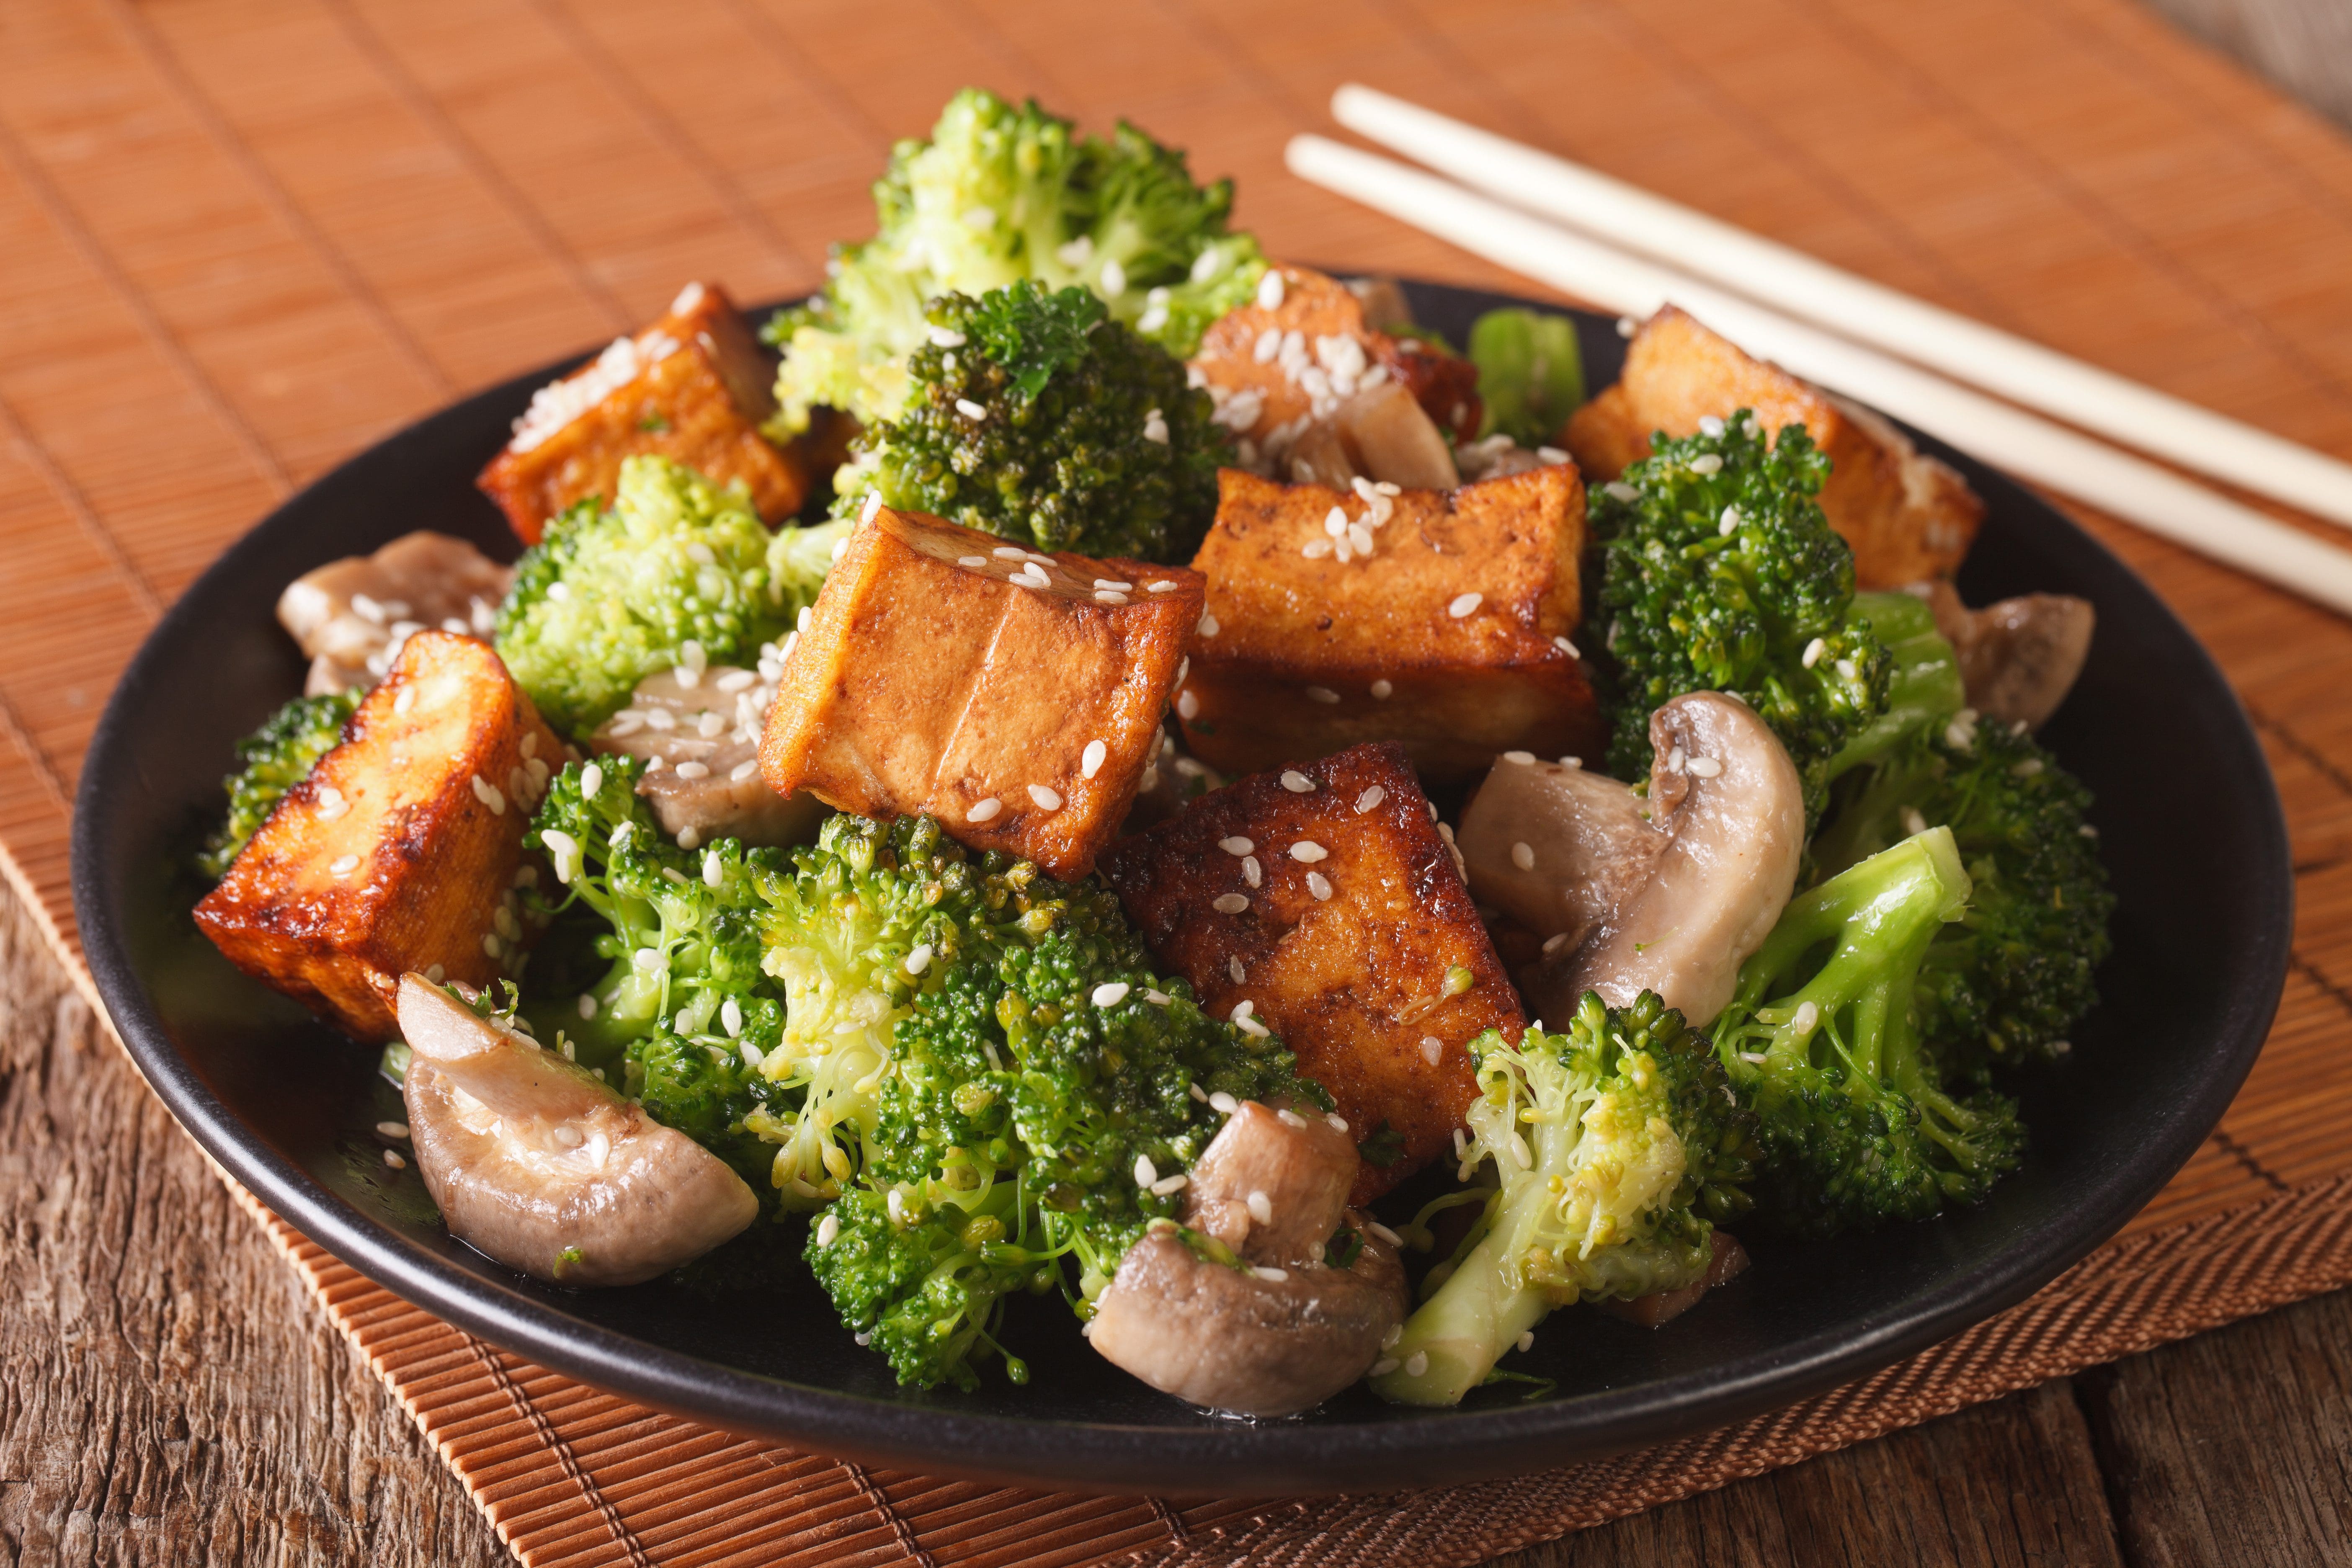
{"points": [[1856, 1112], [1617, 1145], [999, 193], [675, 570], [677, 933], [271, 760], [1086, 436], [1530, 373], [1720, 574], [2009, 980], [1036, 1084]]}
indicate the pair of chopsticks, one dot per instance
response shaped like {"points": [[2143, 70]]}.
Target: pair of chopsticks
{"points": [[1844, 331]]}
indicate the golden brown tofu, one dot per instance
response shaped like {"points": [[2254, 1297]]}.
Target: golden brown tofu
{"points": [[1323, 897], [401, 849], [1013, 694], [1324, 345], [1453, 634], [694, 387], [1908, 517]]}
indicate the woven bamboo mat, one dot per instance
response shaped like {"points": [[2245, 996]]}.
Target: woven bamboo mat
{"points": [[247, 238]]}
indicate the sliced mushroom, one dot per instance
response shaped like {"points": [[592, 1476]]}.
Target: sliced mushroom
{"points": [[1556, 848], [1381, 433], [1496, 456], [1730, 810], [700, 734], [352, 615], [2018, 658], [541, 1165], [1283, 1332]]}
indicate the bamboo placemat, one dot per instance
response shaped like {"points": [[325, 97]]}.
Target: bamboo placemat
{"points": [[247, 238]]}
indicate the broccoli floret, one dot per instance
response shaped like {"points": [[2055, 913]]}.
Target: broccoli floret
{"points": [[1530, 373], [1617, 1147], [1088, 437], [1032, 1065], [271, 760], [999, 193], [1823, 1038], [1720, 574], [612, 594], [680, 932], [2008, 981], [1923, 687]]}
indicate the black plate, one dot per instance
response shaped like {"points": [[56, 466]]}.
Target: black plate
{"points": [[2192, 830]]}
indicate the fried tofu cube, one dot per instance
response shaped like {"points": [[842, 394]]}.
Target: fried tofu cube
{"points": [[695, 386], [401, 850], [1453, 634], [1325, 897], [1015, 696], [1909, 518], [1325, 338]]}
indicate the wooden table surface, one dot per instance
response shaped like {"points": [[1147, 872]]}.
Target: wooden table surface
{"points": [[168, 1395]]}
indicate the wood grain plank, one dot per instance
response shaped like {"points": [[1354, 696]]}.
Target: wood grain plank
{"points": [[2233, 1449]]}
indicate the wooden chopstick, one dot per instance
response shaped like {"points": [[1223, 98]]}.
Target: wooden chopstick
{"points": [[2115, 482], [2021, 370]]}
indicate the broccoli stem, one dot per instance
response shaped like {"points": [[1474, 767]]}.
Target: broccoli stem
{"points": [[1881, 914], [1478, 1313]]}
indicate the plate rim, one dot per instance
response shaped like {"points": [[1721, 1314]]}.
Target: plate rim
{"points": [[1260, 1459]]}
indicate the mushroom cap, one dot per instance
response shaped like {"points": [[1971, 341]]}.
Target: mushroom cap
{"points": [[1590, 843], [537, 1163], [1285, 1333], [2018, 658], [1732, 808]]}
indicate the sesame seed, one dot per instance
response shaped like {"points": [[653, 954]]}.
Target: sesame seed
{"points": [[591, 779], [1315, 549], [1913, 823], [1108, 597], [1230, 904], [1464, 605], [1371, 798], [1252, 872], [1297, 782], [1209, 627], [865, 514], [1243, 1009], [1707, 463], [1335, 522], [1323, 694], [490, 945], [827, 1229], [1527, 1342], [694, 770], [1308, 851], [1418, 1364], [1705, 767], [1523, 855], [1431, 1048], [1813, 654], [1383, 689], [1270, 1274], [1270, 290], [587, 1004], [919, 959], [1223, 1103], [1110, 994], [1168, 1184], [491, 795], [1320, 885], [1045, 797], [1383, 1367], [1146, 1173], [343, 866], [1236, 973], [391, 1129], [1521, 1155], [1674, 759], [1730, 524], [1554, 943], [969, 410], [1165, 586], [971, 560], [1187, 705], [690, 836], [983, 810], [1236, 844], [1006, 552], [392, 1158], [1360, 538], [1157, 998], [1566, 646], [1525, 759], [1090, 761]]}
